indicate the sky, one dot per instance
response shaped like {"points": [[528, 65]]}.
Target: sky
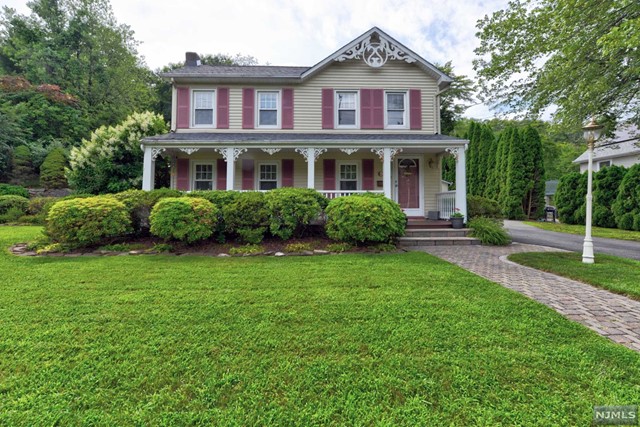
{"points": [[299, 32]]}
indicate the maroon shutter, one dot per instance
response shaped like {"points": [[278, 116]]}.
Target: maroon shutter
{"points": [[365, 109], [248, 102], [287, 108], [287, 172], [377, 109], [182, 115], [327, 109], [367, 174], [247, 174], [329, 166], [221, 175], [223, 108], [182, 174], [415, 109]]}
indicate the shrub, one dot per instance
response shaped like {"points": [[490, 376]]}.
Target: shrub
{"points": [[23, 171], [364, 219], [12, 207], [298, 247], [478, 206], [52, 169], [291, 211], [220, 198], [338, 247], [606, 183], [87, 221], [489, 231], [250, 249], [628, 200], [570, 198], [139, 204], [185, 219], [13, 190], [37, 204], [247, 216]]}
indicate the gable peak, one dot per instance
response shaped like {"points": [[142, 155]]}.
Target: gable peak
{"points": [[375, 49]]}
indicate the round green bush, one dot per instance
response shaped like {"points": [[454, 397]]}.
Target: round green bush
{"points": [[364, 219], [52, 169], [489, 231], [220, 198], [247, 217], [625, 222], [183, 218], [478, 206], [291, 210], [13, 190], [87, 221], [13, 202]]}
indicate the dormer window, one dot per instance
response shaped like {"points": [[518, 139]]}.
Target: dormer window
{"points": [[347, 109], [268, 109], [396, 110], [203, 111]]}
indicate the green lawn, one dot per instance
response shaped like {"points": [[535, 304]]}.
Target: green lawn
{"points": [[609, 233], [619, 275], [390, 339]]}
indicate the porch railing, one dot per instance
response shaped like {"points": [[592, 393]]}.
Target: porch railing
{"points": [[332, 194], [446, 202]]}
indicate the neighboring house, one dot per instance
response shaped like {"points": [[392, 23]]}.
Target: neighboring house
{"points": [[366, 118], [621, 150], [550, 191]]}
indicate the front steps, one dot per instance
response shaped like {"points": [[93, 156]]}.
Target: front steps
{"points": [[437, 237]]}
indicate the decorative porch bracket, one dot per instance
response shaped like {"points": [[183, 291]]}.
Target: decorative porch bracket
{"points": [[349, 151], [189, 151], [271, 151], [155, 152], [230, 155], [311, 155]]}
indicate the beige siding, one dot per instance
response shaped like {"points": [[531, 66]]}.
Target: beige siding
{"points": [[353, 74]]}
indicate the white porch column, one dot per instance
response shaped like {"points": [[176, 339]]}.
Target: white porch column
{"points": [[230, 158], [311, 167], [386, 172], [461, 180], [148, 169]]}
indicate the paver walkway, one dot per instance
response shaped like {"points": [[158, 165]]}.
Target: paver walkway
{"points": [[613, 316]]}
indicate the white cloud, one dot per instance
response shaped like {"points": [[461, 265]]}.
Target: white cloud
{"points": [[299, 32]]}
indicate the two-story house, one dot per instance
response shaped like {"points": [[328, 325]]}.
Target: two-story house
{"points": [[366, 118]]}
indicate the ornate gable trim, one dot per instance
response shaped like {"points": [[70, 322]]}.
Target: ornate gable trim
{"points": [[376, 50]]}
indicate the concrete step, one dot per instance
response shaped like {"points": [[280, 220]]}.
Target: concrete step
{"points": [[437, 241], [436, 232], [413, 223]]}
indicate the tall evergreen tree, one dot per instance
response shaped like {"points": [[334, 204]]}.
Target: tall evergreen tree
{"points": [[533, 203], [517, 182], [606, 183]]}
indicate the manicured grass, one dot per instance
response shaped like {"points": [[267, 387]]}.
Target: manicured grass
{"points": [[619, 275], [395, 339], [609, 233]]}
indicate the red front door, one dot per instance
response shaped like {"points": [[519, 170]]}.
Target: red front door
{"points": [[409, 183]]}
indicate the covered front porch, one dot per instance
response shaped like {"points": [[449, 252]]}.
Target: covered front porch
{"points": [[408, 173]]}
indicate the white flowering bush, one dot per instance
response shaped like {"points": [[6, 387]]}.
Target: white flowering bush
{"points": [[110, 161]]}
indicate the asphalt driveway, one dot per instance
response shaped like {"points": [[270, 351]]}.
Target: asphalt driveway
{"points": [[524, 233]]}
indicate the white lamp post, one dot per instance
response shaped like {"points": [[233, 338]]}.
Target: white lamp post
{"points": [[591, 134]]}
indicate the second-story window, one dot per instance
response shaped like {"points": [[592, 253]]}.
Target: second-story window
{"points": [[347, 103], [396, 112], [203, 111], [268, 106]]}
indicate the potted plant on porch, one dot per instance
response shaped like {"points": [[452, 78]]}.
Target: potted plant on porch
{"points": [[457, 219]]}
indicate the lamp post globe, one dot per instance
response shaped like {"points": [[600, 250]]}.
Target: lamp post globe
{"points": [[591, 134]]}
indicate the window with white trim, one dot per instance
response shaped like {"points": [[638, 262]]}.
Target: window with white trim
{"points": [[346, 109], [348, 176], [267, 176], [203, 108], [203, 176], [268, 109], [396, 110]]}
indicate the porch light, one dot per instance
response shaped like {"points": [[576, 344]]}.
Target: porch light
{"points": [[591, 134]]}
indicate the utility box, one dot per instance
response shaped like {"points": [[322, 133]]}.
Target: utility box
{"points": [[433, 215]]}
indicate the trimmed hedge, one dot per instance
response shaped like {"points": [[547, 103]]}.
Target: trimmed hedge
{"points": [[478, 206], [139, 204], [87, 221], [626, 208], [188, 219], [247, 217], [291, 210], [13, 190], [12, 208], [363, 219]]}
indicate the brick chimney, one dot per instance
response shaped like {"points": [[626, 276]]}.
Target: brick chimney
{"points": [[192, 59]]}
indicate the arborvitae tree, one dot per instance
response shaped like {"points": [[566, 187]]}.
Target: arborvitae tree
{"points": [[52, 169], [570, 197], [470, 157], [517, 182], [475, 154], [606, 184], [533, 203], [503, 163], [484, 162], [626, 208], [449, 170], [492, 189], [491, 164], [22, 171]]}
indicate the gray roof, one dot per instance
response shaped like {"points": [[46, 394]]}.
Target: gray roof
{"points": [[550, 187], [627, 143], [237, 71], [295, 137]]}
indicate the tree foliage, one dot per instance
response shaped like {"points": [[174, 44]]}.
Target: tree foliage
{"points": [[582, 57], [455, 100], [626, 208], [606, 184], [111, 160], [52, 169]]}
